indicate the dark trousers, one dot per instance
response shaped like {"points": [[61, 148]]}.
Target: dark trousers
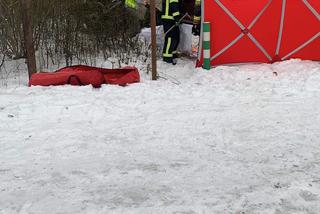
{"points": [[172, 40]]}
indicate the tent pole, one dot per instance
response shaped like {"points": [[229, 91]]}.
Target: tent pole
{"points": [[153, 39], [206, 46]]}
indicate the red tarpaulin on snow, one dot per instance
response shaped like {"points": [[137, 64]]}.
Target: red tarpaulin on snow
{"points": [[86, 75], [262, 30]]}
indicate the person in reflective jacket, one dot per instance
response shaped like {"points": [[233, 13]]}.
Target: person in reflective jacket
{"points": [[197, 18], [170, 21]]}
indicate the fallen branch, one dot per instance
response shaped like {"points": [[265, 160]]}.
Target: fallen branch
{"points": [[2, 61]]}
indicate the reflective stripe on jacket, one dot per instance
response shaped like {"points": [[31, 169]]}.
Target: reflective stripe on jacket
{"points": [[170, 10], [131, 3], [197, 12]]}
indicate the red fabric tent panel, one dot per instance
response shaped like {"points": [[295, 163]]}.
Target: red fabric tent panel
{"points": [[222, 24], [265, 30], [300, 25], [244, 10], [310, 52], [243, 51], [225, 30]]}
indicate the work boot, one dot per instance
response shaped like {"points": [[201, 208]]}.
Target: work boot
{"points": [[168, 60], [174, 61]]}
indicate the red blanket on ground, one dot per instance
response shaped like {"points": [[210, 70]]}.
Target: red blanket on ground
{"points": [[86, 75]]}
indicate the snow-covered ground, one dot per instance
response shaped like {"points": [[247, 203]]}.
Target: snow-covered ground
{"points": [[234, 140]]}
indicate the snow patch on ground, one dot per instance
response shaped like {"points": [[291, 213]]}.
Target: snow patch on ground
{"points": [[236, 139]]}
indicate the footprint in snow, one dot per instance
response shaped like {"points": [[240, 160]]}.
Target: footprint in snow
{"points": [[308, 196]]}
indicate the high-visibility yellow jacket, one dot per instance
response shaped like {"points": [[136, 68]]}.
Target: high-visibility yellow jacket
{"points": [[170, 10], [131, 4]]}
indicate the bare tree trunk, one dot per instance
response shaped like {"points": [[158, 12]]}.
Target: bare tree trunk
{"points": [[28, 40], [153, 39]]}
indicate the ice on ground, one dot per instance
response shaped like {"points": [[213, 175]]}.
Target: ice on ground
{"points": [[240, 140]]}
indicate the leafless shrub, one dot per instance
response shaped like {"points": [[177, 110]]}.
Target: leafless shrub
{"points": [[73, 32]]}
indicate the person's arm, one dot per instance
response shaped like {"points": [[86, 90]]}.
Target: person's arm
{"points": [[197, 12], [174, 4]]}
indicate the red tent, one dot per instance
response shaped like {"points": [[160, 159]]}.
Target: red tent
{"points": [[262, 30]]}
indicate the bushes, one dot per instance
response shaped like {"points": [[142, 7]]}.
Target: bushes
{"points": [[73, 31]]}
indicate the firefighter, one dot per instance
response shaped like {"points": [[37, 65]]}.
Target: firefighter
{"points": [[170, 21], [197, 18]]}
